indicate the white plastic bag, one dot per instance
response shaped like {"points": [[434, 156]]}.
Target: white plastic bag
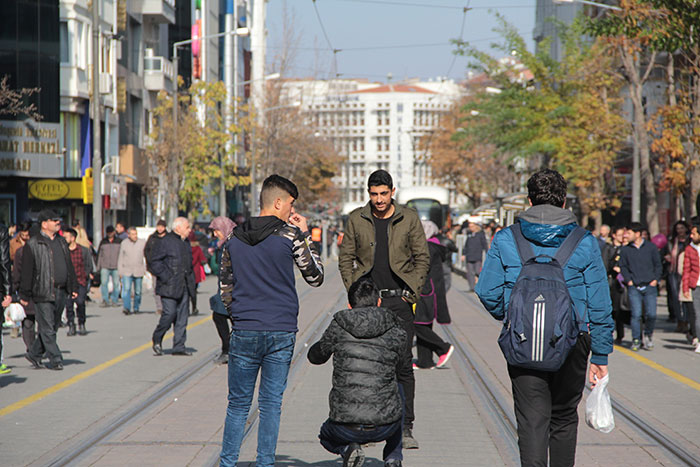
{"points": [[14, 314], [148, 281], [599, 414]]}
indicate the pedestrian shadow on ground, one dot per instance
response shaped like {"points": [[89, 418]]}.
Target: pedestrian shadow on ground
{"points": [[677, 341], [72, 361], [281, 460], [6, 380], [687, 347]]}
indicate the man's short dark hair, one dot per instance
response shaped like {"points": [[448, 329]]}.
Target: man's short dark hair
{"points": [[109, 229], [272, 185], [547, 187], [24, 227], [694, 226], [636, 227], [71, 231], [363, 292], [380, 177]]}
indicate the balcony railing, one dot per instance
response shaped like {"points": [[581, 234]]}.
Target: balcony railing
{"points": [[159, 73]]}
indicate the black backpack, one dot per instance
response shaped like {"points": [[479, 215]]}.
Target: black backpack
{"points": [[540, 326]]}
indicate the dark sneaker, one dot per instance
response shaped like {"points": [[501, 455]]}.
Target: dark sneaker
{"points": [[81, 330], [409, 442], [126, 312], [353, 456], [58, 366], [157, 350], [182, 353], [195, 312], [35, 363], [222, 359], [104, 304], [71, 329], [392, 463], [635, 345]]}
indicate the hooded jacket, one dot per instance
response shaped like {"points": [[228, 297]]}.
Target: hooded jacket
{"points": [[367, 345], [257, 274], [546, 227]]}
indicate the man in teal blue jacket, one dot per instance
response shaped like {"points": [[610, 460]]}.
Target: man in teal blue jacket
{"points": [[546, 402]]}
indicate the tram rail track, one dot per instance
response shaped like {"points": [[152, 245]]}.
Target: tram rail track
{"points": [[631, 417], [81, 449]]}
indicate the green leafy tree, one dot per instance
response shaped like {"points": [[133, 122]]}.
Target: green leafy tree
{"points": [[186, 156], [553, 114], [636, 34]]}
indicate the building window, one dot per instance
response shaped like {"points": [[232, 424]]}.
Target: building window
{"points": [[65, 48]]}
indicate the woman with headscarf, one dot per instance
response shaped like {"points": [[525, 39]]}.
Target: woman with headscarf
{"points": [[222, 227], [432, 306]]}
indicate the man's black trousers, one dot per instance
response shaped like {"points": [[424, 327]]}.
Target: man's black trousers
{"points": [[546, 408], [48, 317], [405, 372], [175, 312], [76, 305]]}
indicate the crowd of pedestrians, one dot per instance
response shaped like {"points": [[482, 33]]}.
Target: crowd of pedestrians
{"points": [[397, 271]]}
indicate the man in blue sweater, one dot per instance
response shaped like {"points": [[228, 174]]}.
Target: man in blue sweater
{"points": [[546, 402], [640, 265], [258, 290]]}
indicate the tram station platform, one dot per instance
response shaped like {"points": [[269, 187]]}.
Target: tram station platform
{"points": [[116, 404]]}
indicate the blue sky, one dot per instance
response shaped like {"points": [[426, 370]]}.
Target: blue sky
{"points": [[421, 32]]}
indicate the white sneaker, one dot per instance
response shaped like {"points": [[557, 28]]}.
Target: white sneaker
{"points": [[695, 342], [697, 348], [648, 343]]}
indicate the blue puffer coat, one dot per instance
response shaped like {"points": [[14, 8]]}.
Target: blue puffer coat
{"points": [[546, 227]]}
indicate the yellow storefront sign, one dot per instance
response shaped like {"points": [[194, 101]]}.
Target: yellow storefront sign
{"points": [[86, 187], [53, 190], [48, 189]]}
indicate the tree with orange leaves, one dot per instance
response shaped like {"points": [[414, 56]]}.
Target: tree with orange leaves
{"points": [[472, 167]]}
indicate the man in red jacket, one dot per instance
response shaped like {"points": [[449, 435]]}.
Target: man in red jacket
{"points": [[691, 280]]}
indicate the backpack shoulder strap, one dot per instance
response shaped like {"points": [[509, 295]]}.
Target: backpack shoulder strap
{"points": [[567, 248], [524, 248]]}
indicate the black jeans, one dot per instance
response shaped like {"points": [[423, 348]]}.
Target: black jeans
{"points": [[48, 317], [545, 408], [222, 327], [428, 342], [405, 372], [174, 312], [79, 304], [29, 331]]}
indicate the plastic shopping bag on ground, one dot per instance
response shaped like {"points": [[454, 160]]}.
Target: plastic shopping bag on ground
{"points": [[599, 414]]}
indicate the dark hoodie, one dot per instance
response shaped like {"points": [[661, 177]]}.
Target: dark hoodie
{"points": [[367, 344], [257, 274]]}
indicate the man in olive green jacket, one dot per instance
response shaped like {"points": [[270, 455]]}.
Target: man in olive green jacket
{"points": [[385, 241]]}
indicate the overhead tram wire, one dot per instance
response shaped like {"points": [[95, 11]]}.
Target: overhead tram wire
{"points": [[461, 38], [432, 5], [328, 41]]}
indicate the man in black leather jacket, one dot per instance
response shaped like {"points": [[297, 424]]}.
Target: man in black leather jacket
{"points": [[366, 403], [171, 263], [47, 277], [4, 280]]}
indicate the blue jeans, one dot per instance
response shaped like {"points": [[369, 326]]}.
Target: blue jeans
{"points": [[270, 353], [104, 279], [639, 299], [126, 292]]}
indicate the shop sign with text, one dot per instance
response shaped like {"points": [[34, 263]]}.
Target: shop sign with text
{"points": [[30, 149]]}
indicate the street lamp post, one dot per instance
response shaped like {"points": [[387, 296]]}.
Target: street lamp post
{"points": [[176, 45]]}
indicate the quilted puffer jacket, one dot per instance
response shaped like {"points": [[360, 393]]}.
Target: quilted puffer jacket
{"points": [[366, 345]]}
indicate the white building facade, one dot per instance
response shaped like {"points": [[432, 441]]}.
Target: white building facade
{"points": [[375, 126]]}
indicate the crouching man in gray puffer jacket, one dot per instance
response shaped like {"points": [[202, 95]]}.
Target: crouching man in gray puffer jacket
{"points": [[366, 403]]}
